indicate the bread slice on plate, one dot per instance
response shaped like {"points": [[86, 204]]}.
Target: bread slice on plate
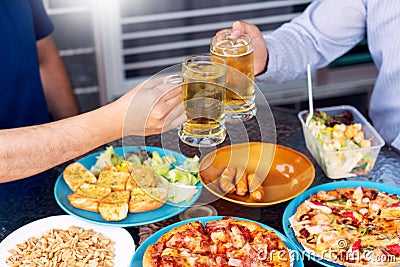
{"points": [[75, 175], [93, 191], [84, 203], [114, 180], [147, 199], [114, 206], [130, 183], [88, 196]]}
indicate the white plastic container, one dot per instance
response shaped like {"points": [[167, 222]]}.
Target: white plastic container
{"points": [[344, 163]]}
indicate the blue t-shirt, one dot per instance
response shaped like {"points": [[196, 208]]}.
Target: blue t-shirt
{"points": [[22, 100]]}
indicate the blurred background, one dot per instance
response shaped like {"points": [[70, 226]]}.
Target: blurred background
{"points": [[109, 46]]}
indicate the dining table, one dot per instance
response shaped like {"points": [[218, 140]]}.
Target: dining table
{"points": [[26, 200]]}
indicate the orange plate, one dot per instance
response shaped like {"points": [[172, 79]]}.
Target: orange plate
{"points": [[285, 173]]}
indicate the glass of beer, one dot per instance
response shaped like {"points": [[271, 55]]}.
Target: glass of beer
{"points": [[203, 91], [237, 51]]}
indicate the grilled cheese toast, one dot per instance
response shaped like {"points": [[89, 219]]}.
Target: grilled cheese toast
{"points": [[147, 199], [76, 175], [114, 206], [114, 180], [88, 196]]}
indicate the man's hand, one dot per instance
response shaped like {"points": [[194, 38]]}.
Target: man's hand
{"points": [[260, 47], [155, 107]]}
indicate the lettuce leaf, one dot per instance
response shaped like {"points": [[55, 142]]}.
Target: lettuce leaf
{"points": [[161, 165], [177, 192], [104, 161]]}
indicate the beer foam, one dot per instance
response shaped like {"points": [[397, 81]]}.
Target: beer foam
{"points": [[232, 48]]}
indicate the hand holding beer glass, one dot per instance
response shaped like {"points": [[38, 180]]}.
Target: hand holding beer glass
{"points": [[203, 91], [237, 51]]}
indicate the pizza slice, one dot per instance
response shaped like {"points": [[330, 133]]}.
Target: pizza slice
{"points": [[179, 257], [186, 244], [244, 243]]}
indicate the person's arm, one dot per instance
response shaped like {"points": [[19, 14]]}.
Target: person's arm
{"points": [[30, 150], [56, 83], [324, 31]]}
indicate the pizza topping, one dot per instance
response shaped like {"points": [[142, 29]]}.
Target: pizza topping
{"points": [[321, 219], [363, 231], [304, 233], [354, 215], [312, 239], [329, 238], [387, 197], [243, 253], [377, 204], [157, 249], [317, 229], [318, 206], [349, 204], [220, 260], [356, 245], [394, 249], [235, 262], [305, 217], [340, 200], [219, 236], [371, 194], [317, 203], [358, 193], [363, 211], [237, 238], [327, 196], [216, 225]]}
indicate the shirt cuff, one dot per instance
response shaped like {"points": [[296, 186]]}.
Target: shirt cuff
{"points": [[396, 143], [271, 68]]}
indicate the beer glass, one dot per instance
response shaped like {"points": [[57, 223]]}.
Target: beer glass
{"points": [[237, 51], [203, 91]]}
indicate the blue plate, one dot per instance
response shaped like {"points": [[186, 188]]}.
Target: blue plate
{"points": [[292, 207], [169, 209], [138, 256]]}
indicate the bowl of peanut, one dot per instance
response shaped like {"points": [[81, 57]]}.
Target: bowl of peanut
{"points": [[67, 241]]}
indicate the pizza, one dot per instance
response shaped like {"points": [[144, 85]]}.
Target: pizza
{"points": [[225, 242], [351, 226]]}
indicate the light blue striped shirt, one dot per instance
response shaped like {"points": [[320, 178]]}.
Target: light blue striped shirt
{"points": [[329, 28]]}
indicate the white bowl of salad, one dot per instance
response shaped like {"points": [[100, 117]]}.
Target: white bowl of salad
{"points": [[341, 140]]}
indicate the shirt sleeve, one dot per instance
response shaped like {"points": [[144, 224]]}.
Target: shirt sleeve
{"points": [[326, 30], [41, 21]]}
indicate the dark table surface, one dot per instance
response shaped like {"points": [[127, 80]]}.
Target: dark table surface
{"points": [[27, 200]]}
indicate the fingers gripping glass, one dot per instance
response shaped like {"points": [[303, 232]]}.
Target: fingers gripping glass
{"points": [[237, 52]]}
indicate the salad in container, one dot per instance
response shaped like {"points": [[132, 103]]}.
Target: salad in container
{"points": [[341, 140]]}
